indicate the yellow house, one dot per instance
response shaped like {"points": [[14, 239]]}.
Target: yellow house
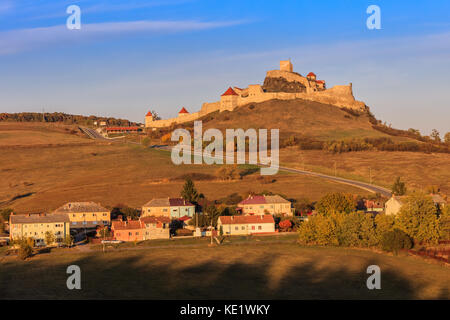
{"points": [[258, 205], [36, 225], [85, 214]]}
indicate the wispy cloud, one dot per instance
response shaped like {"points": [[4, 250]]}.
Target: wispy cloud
{"points": [[25, 39]]}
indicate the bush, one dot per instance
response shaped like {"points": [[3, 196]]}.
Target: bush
{"points": [[25, 250], [395, 240], [184, 232]]}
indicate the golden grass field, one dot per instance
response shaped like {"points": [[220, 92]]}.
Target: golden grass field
{"points": [[43, 166], [271, 268]]}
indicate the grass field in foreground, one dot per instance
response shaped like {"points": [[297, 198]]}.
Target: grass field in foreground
{"points": [[241, 270]]}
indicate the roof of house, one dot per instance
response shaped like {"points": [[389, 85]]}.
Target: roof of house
{"points": [[311, 74], [154, 219], [126, 225], [183, 110], [263, 200], [121, 128], [149, 114], [74, 207], [39, 218], [168, 202], [185, 218], [266, 218], [229, 92], [320, 81]]}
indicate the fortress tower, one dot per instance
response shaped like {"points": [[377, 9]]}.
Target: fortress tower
{"points": [[228, 100], [286, 65], [148, 119]]}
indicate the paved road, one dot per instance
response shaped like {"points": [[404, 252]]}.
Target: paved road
{"points": [[362, 185]]}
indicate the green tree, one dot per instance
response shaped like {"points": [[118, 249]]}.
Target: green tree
{"points": [[212, 214], [25, 250], [399, 187], [5, 213], [49, 238], [383, 223], [444, 223], [336, 203], [418, 218], [395, 240], [189, 192]]}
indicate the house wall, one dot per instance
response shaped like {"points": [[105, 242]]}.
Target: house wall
{"points": [[392, 206], [270, 208], [99, 218], [155, 211], [37, 231], [129, 234], [178, 212], [245, 229]]}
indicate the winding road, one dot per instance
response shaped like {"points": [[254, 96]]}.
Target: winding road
{"points": [[91, 133]]}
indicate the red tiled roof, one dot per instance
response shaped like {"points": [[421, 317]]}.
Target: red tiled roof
{"points": [[149, 114], [126, 225], [179, 202], [153, 219], [229, 92], [311, 74], [183, 110], [267, 218], [254, 200], [185, 218], [320, 81]]}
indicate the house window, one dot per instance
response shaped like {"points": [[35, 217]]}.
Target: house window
{"points": [[129, 233], [253, 227], [243, 228], [259, 228], [236, 228]]}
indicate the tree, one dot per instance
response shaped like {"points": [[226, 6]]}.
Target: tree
{"points": [[447, 138], [395, 240], [212, 215], [189, 193], [25, 249], [5, 213], [418, 218], [155, 115], [383, 223], [68, 240], [435, 135], [49, 238], [125, 211], [336, 203], [444, 223], [399, 187]]}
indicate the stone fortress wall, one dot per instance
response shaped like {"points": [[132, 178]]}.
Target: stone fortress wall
{"points": [[283, 84]]}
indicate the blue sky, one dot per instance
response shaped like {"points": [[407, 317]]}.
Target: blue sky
{"points": [[132, 56]]}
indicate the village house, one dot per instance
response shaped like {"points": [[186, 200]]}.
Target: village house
{"points": [[373, 206], [394, 204], [146, 228], [174, 208], [37, 225], [245, 225], [85, 215], [259, 205]]}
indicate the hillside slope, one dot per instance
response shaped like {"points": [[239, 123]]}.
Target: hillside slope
{"points": [[297, 117]]}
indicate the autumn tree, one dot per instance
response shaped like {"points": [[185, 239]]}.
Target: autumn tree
{"points": [[49, 238], [418, 218], [336, 203], [435, 135], [399, 187], [189, 192], [447, 138]]}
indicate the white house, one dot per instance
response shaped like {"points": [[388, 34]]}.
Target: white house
{"points": [[245, 225]]}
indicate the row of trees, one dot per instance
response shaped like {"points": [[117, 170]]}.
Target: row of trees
{"points": [[336, 223]]}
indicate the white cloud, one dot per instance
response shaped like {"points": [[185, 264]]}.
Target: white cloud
{"points": [[14, 41]]}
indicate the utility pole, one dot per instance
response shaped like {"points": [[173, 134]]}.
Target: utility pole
{"points": [[335, 168]]}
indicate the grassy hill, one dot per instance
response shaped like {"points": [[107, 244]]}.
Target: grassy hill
{"points": [[301, 118]]}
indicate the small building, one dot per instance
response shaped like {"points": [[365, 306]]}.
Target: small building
{"points": [[146, 228], [183, 112], [123, 129], [373, 205], [311, 76], [37, 225], [260, 205], [85, 215], [245, 225], [173, 208], [148, 119], [286, 65], [228, 100]]}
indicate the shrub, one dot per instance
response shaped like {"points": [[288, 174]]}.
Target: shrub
{"points": [[25, 250], [393, 241], [184, 232], [285, 225], [336, 203]]}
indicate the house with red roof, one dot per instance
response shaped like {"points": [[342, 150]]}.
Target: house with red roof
{"points": [[265, 204], [245, 225], [311, 76], [229, 100], [146, 228]]}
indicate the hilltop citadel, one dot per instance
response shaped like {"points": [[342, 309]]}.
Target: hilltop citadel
{"points": [[282, 84]]}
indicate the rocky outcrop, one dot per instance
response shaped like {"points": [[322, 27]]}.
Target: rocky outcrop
{"points": [[280, 84]]}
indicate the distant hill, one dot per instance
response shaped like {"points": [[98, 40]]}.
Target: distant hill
{"points": [[62, 118], [312, 125]]}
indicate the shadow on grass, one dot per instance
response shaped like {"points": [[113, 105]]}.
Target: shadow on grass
{"points": [[105, 276]]}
